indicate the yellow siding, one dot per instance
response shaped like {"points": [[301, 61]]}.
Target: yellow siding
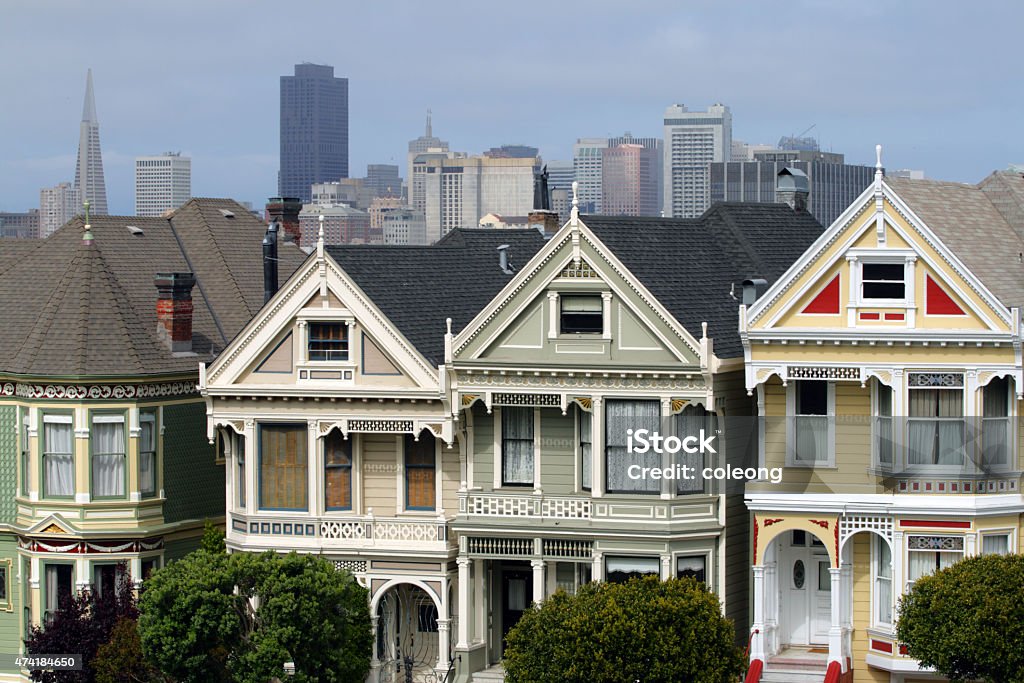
{"points": [[910, 356], [862, 610]]}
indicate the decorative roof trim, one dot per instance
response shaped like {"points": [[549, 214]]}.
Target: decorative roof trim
{"points": [[79, 392]]}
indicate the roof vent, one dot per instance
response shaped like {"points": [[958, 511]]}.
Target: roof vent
{"points": [[227, 214], [135, 230], [503, 263], [753, 289]]}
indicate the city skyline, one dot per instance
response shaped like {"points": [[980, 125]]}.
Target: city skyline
{"points": [[220, 99]]}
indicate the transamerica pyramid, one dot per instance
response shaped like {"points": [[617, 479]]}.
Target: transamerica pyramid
{"points": [[89, 168]]}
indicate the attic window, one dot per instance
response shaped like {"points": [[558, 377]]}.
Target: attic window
{"points": [[135, 230], [328, 341], [582, 314], [883, 281], [227, 214]]}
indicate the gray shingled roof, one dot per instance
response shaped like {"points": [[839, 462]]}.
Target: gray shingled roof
{"points": [[417, 288], [691, 265], [987, 235], [72, 310]]}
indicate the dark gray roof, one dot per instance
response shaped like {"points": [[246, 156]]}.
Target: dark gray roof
{"points": [[417, 287], [75, 310], [691, 265]]}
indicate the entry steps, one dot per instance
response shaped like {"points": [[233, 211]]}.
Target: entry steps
{"points": [[495, 674], [795, 665]]}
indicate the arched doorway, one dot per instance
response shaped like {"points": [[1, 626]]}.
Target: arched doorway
{"points": [[408, 635]]}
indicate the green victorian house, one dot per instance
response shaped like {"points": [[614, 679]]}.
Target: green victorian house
{"points": [[104, 460]]}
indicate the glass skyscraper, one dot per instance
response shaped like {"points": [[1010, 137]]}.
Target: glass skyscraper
{"points": [[314, 130]]}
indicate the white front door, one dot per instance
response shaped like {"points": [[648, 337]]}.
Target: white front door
{"points": [[805, 590]]}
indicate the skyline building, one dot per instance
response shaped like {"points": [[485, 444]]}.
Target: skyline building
{"points": [[162, 183], [833, 184], [384, 180], [57, 205], [561, 175], [19, 225], [630, 181], [586, 162], [89, 166], [342, 224], [314, 129], [693, 141], [424, 144]]}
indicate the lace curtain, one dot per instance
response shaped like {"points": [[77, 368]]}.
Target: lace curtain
{"points": [[517, 445], [58, 459], [621, 416], [107, 458]]}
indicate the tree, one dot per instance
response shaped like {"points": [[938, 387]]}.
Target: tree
{"points": [[81, 625], [120, 659], [967, 621], [215, 617], [644, 630]]}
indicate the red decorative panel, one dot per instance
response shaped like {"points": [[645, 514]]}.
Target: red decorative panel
{"points": [[903, 649], [937, 524], [827, 300], [870, 316], [881, 646], [895, 316], [937, 302]]}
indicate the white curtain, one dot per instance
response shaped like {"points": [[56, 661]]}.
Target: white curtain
{"points": [[995, 544], [883, 424], [811, 438], [52, 583], [108, 458], [951, 431], [921, 564], [517, 445], [996, 423], [586, 448], [147, 457], [58, 462], [936, 427], [621, 416], [689, 423], [883, 580]]}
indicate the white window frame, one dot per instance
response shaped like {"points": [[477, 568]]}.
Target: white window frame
{"points": [[876, 605], [962, 552], [904, 257], [1007, 533], [57, 418], [149, 415], [791, 414], [937, 468], [876, 385], [1011, 436]]}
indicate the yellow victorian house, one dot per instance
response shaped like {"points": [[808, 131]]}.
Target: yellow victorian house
{"points": [[886, 365]]}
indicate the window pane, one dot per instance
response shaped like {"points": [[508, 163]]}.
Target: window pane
{"points": [[328, 341], [621, 416], [420, 472], [58, 459], [582, 314], [622, 569], [811, 397], [995, 544], [283, 467], [690, 422], [517, 445], [883, 281], [108, 458], [337, 471], [692, 566], [586, 451]]}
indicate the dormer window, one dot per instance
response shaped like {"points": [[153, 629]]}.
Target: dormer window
{"points": [[885, 281], [581, 314], [328, 341]]}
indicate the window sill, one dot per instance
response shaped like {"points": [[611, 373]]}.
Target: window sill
{"points": [[812, 466]]}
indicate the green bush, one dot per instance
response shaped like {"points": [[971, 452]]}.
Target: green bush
{"points": [[967, 621], [644, 630]]}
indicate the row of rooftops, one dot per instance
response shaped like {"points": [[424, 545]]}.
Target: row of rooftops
{"points": [[75, 309]]}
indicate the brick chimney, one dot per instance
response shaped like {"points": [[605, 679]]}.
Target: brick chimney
{"points": [[286, 211], [544, 220], [174, 310]]}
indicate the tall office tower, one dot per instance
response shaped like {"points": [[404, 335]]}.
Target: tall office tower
{"points": [[560, 177], [314, 129], [655, 144], [512, 152], [57, 205], [89, 167], [586, 161], [693, 140], [383, 180], [20, 225], [424, 144], [161, 183], [458, 192], [630, 181], [833, 184], [791, 143]]}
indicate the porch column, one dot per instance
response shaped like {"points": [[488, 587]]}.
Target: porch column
{"points": [[597, 447], [538, 580], [443, 645], [757, 628], [464, 615], [597, 571], [835, 632], [374, 655], [666, 567]]}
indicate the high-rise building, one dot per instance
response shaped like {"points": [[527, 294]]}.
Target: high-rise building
{"points": [[512, 152], [403, 225], [833, 184], [458, 192], [791, 143], [424, 144], [57, 205], [908, 173], [21, 225], [693, 140], [561, 175], [161, 183], [352, 192], [89, 167], [586, 161], [630, 181], [314, 129], [383, 180], [342, 225]]}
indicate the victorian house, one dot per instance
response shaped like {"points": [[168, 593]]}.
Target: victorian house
{"points": [[449, 423], [886, 366], [104, 461]]}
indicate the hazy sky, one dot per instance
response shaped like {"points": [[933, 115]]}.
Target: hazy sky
{"points": [[938, 84]]}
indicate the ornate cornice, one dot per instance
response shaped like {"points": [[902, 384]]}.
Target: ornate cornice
{"points": [[588, 383], [81, 392]]}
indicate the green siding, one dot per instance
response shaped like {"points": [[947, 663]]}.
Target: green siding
{"points": [[193, 482], [483, 447], [558, 451], [10, 622], [175, 550], [8, 462]]}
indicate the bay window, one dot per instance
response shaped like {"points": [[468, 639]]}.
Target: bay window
{"points": [[107, 444], [621, 417], [337, 471], [883, 426], [58, 456], [928, 554], [622, 569], [935, 423], [690, 422], [25, 459], [240, 484], [883, 581], [283, 467], [995, 429], [586, 448], [517, 446]]}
